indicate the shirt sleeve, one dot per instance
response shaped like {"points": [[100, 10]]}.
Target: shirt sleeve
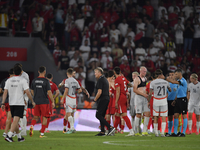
{"points": [[25, 85], [189, 88], [151, 85], [6, 85], [48, 86], [66, 84], [55, 87]]}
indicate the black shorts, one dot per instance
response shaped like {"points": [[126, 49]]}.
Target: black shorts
{"points": [[181, 106], [170, 108], [17, 111]]}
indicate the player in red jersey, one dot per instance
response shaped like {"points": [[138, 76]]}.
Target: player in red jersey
{"points": [[65, 122], [54, 88], [7, 106], [121, 100], [110, 111]]}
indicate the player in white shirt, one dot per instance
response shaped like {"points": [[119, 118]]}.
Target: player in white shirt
{"points": [[132, 100], [15, 87], [193, 96], [23, 121], [160, 107], [71, 85]]}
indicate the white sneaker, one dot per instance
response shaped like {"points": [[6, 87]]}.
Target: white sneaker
{"points": [[23, 133], [156, 135], [4, 135], [162, 135], [131, 133]]}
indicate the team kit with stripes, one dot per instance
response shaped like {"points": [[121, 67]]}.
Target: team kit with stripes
{"points": [[153, 102]]}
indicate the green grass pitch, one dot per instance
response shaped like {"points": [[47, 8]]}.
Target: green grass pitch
{"points": [[56, 140]]}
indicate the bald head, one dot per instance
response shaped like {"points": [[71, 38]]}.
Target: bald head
{"points": [[143, 71]]}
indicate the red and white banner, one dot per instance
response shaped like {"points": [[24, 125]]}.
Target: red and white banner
{"points": [[13, 54]]}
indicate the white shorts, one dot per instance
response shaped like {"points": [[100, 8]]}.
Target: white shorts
{"points": [[70, 104], [141, 104], [194, 108], [160, 110], [179, 40]]}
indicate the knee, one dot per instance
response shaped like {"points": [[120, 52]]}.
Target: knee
{"points": [[98, 115]]}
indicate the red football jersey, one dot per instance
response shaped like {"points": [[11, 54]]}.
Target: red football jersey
{"points": [[53, 89], [121, 82]]}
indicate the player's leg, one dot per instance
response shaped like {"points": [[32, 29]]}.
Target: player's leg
{"points": [[146, 117], [128, 123], [23, 122], [138, 106], [44, 108], [197, 112], [170, 117], [163, 114], [190, 112], [117, 121], [65, 120], [49, 118], [156, 114], [8, 123], [177, 111], [184, 113]]}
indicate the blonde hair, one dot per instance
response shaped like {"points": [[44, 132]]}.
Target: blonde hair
{"points": [[135, 73], [142, 67], [194, 76]]}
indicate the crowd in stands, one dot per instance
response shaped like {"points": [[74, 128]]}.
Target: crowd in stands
{"points": [[85, 34]]}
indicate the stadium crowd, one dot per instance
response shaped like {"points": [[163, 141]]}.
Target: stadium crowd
{"points": [[85, 34]]}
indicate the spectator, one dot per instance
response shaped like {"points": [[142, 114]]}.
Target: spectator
{"points": [[143, 15], [48, 6], [188, 36], [56, 54], [100, 24], [59, 22], [106, 61], [106, 15], [163, 67], [160, 8], [163, 15], [63, 62], [115, 33], [117, 54], [123, 27], [152, 53], [11, 23], [129, 52], [158, 44], [95, 48], [172, 67], [149, 33], [140, 51], [81, 75], [38, 26], [173, 18], [52, 42], [170, 55], [179, 29], [87, 9], [105, 49], [125, 68], [104, 36], [75, 43], [196, 39], [150, 65], [86, 34], [163, 36], [149, 8], [71, 52], [162, 24], [129, 41], [182, 16], [188, 9], [197, 7], [68, 27], [130, 33], [140, 28], [132, 17], [85, 50], [80, 22], [50, 28], [74, 61], [172, 7]]}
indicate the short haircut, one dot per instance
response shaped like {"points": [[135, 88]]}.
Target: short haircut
{"points": [[11, 71], [135, 73], [49, 76], [110, 73], [117, 70], [158, 72], [99, 69], [178, 70], [18, 64], [106, 74], [170, 71], [41, 69], [17, 70], [194, 76], [70, 71]]}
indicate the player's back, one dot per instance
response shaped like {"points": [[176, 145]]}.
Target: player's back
{"points": [[194, 90], [72, 85], [121, 82], [25, 76], [40, 86], [159, 87]]}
